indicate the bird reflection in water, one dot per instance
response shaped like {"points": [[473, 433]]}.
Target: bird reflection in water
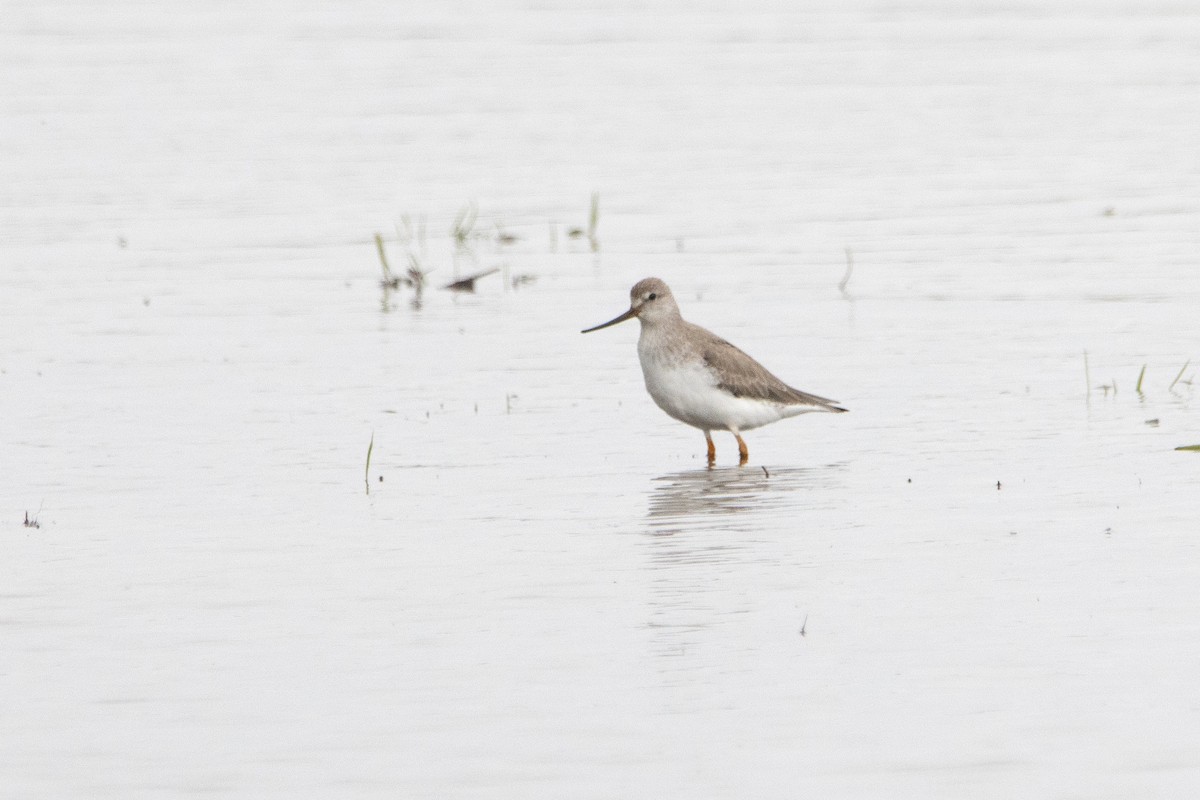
{"points": [[733, 498], [713, 532]]}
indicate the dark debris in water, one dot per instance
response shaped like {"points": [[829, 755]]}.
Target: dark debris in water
{"points": [[467, 284]]}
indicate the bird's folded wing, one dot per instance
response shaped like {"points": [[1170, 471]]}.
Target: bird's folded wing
{"points": [[742, 376]]}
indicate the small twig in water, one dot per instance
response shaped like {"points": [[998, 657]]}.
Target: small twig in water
{"points": [[503, 237], [367, 468], [467, 284], [804, 626], [33, 523], [849, 271], [594, 222], [1141, 375], [1087, 375], [417, 277]]}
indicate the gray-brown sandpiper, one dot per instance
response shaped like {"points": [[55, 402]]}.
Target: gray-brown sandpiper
{"points": [[702, 380]]}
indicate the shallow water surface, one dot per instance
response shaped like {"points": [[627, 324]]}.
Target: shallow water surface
{"points": [[980, 582]]}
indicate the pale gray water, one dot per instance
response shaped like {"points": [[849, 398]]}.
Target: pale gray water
{"points": [[548, 595]]}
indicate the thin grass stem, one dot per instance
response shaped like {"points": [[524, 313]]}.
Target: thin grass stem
{"points": [[1182, 369], [367, 468], [1087, 375], [594, 222], [849, 271], [388, 277]]}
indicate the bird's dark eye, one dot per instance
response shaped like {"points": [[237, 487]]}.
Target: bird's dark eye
{"points": [[651, 296]]}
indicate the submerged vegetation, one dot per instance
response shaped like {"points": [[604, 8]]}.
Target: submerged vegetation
{"points": [[464, 224], [592, 224], [1175, 387], [466, 240], [415, 276], [1179, 389]]}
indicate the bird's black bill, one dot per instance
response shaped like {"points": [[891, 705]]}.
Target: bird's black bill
{"points": [[627, 315]]}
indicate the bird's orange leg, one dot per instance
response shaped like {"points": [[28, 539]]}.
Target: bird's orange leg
{"points": [[712, 449], [743, 451]]}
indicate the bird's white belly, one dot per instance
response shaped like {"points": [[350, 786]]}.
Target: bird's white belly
{"points": [[688, 391]]}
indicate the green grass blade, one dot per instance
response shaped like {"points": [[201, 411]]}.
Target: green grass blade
{"points": [[464, 223], [1141, 375], [1182, 369], [387, 270], [1190, 448]]}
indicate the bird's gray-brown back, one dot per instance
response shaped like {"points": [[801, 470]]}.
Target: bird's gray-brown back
{"points": [[742, 376]]}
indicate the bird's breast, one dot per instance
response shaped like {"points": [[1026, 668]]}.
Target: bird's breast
{"points": [[683, 384]]}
